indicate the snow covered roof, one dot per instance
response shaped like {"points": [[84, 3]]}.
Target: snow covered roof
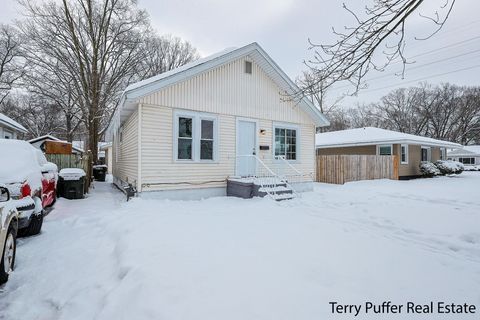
{"points": [[472, 151], [44, 137], [137, 90], [9, 122], [183, 68], [374, 136], [53, 138]]}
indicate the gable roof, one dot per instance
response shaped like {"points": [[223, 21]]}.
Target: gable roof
{"points": [[473, 151], [12, 124], [53, 138], [374, 136], [142, 88]]}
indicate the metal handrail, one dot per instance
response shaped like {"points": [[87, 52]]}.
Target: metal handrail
{"points": [[267, 180]]}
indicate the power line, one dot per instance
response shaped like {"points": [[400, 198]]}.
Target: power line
{"points": [[421, 79], [444, 47], [413, 68]]}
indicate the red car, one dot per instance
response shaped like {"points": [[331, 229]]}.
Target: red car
{"points": [[31, 180]]}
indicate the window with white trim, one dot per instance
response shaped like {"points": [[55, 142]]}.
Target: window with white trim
{"points": [[443, 153], [206, 139], [195, 137], [286, 143], [384, 150], [404, 153], [7, 134], [467, 160], [426, 154], [185, 138]]}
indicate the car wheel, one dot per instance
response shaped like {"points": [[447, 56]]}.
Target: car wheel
{"points": [[8, 258], [35, 225]]}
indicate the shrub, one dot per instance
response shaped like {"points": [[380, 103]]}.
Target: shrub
{"points": [[449, 166], [428, 169]]}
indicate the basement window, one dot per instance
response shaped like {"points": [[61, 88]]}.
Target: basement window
{"points": [[248, 67]]}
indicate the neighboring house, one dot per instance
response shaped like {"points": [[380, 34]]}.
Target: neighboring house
{"points": [[468, 155], [105, 154], [10, 129], [39, 143], [225, 115], [409, 148]]}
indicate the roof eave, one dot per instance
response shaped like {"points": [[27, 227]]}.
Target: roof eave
{"points": [[13, 127], [386, 141]]}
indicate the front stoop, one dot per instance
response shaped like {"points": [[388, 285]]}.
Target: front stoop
{"points": [[246, 188]]}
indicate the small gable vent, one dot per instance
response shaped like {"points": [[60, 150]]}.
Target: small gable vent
{"points": [[248, 67]]}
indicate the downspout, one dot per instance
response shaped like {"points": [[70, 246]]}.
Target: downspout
{"points": [[139, 144]]}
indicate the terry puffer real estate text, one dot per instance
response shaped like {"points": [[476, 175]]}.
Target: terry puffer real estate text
{"points": [[388, 307]]}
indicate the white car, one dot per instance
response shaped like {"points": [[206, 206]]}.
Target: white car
{"points": [[8, 234], [31, 180]]}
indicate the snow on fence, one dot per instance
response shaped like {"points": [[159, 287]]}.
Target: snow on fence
{"points": [[73, 161], [339, 169]]}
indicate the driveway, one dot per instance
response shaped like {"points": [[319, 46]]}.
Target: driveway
{"points": [[229, 258]]}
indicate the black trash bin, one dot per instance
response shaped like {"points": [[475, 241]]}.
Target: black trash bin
{"points": [[99, 172], [71, 183]]}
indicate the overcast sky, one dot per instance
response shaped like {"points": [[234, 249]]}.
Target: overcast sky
{"points": [[282, 28]]}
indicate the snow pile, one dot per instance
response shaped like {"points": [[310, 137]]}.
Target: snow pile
{"points": [[72, 174], [428, 169], [449, 166], [19, 163], [228, 258]]}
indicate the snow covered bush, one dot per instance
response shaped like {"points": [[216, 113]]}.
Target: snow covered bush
{"points": [[428, 169], [471, 168], [449, 166]]}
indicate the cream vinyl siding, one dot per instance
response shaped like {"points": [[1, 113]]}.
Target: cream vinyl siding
{"points": [[226, 93], [161, 171], [126, 162], [229, 90]]}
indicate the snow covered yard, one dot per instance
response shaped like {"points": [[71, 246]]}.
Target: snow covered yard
{"points": [[228, 258]]}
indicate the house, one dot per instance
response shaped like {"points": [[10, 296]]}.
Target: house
{"points": [[40, 143], [410, 149], [10, 129], [105, 154], [468, 155], [183, 133]]}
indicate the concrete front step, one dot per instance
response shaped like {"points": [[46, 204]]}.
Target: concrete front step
{"points": [[284, 196], [249, 188]]}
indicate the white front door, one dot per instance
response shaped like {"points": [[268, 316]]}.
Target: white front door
{"points": [[246, 148]]}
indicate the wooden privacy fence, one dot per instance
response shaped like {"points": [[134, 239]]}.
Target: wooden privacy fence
{"points": [[74, 161], [339, 169]]}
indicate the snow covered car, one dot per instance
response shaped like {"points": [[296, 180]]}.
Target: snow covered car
{"points": [[8, 233], [31, 180]]}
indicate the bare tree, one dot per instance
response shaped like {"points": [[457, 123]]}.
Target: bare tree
{"points": [[46, 78], [11, 68], [379, 30], [96, 43], [316, 92], [401, 110], [164, 53], [37, 115], [446, 112]]}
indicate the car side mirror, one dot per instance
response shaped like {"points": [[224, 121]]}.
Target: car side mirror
{"points": [[4, 194]]}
